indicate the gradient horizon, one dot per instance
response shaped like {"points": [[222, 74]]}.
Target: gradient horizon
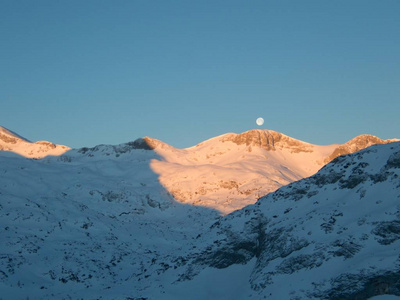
{"points": [[82, 73]]}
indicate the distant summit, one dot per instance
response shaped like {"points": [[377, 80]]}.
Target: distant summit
{"points": [[268, 140], [9, 136], [14, 143], [356, 144]]}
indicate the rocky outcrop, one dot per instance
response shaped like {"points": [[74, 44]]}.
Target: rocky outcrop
{"points": [[8, 139], [9, 136], [269, 140], [145, 143], [46, 144], [358, 143], [258, 138]]}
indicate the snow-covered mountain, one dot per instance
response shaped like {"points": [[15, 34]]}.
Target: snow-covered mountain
{"points": [[230, 171], [14, 143], [335, 235], [87, 227], [225, 173], [100, 223]]}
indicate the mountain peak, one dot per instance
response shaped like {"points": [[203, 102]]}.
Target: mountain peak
{"points": [[356, 144], [13, 142], [9, 136], [145, 143], [148, 143], [154, 143], [256, 137], [267, 139]]}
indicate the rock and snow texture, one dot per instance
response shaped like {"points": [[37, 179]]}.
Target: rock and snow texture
{"points": [[225, 173], [13, 143], [230, 171], [89, 228], [233, 170], [97, 223], [335, 235]]}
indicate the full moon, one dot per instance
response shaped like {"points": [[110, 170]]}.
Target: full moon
{"points": [[260, 121]]}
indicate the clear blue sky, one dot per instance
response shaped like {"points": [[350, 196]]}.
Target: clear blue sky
{"points": [[82, 73]]}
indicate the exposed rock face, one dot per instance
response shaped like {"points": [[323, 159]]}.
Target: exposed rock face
{"points": [[358, 143], [269, 140], [8, 139], [367, 286], [46, 144], [146, 143], [9, 136], [258, 138]]}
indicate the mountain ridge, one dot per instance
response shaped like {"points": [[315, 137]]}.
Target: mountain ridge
{"points": [[6, 133], [103, 227], [263, 138], [14, 143], [226, 172]]}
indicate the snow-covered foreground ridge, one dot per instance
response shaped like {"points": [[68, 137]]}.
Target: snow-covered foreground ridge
{"points": [[81, 226], [224, 173]]}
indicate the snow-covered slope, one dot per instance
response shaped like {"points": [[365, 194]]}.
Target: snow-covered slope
{"points": [[224, 173], [14, 143], [233, 170], [230, 171], [335, 235], [88, 228], [96, 223]]}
